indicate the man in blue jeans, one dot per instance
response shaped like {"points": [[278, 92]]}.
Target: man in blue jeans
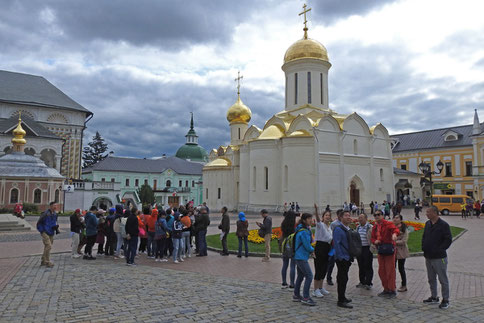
{"points": [[201, 224], [132, 233]]}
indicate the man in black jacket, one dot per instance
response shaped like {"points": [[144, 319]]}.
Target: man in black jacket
{"points": [[202, 223], [436, 239], [225, 227], [76, 228], [132, 233]]}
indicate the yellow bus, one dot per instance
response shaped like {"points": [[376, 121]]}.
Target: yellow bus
{"points": [[450, 203]]}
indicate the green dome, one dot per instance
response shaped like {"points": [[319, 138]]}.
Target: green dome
{"points": [[193, 152]]}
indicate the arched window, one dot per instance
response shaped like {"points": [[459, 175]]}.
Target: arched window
{"points": [[168, 183], [309, 87], [286, 177], [37, 196], [381, 174], [295, 88], [254, 177], [266, 178], [56, 196], [14, 196], [355, 147], [321, 86]]}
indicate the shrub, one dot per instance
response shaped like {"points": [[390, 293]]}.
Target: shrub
{"points": [[30, 208]]}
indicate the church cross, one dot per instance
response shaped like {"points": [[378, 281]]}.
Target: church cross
{"points": [[239, 77], [305, 20]]}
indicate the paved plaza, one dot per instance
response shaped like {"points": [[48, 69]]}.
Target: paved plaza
{"points": [[216, 288]]}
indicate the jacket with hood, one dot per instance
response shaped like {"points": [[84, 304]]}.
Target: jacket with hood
{"points": [[242, 226], [132, 225], [47, 222], [302, 245], [118, 215], [177, 227], [151, 220], [91, 224]]}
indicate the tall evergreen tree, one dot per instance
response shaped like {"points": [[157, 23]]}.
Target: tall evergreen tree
{"points": [[95, 151], [146, 195]]}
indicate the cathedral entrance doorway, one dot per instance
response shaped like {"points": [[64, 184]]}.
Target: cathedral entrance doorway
{"points": [[354, 194]]}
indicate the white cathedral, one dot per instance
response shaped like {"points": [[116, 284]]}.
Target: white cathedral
{"points": [[306, 153]]}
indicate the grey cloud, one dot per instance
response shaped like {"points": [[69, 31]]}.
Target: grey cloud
{"points": [[170, 25], [329, 11]]}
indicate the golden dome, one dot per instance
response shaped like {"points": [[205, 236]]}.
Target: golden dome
{"points": [[19, 134], [306, 48], [239, 113]]}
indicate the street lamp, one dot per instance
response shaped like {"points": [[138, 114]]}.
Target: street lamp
{"points": [[426, 170]]}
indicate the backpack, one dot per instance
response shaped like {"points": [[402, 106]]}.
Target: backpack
{"points": [[354, 242], [289, 245], [122, 227]]}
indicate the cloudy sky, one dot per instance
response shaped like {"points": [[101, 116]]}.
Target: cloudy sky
{"points": [[142, 66]]}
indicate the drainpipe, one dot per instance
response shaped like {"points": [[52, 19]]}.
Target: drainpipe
{"points": [[82, 137]]}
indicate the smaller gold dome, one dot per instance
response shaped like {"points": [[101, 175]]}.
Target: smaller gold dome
{"points": [[239, 113], [19, 134], [306, 48]]}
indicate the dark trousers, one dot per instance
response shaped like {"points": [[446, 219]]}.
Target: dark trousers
{"points": [[330, 268], [244, 240], [160, 247], [91, 240], [342, 278], [132, 244], [168, 247], [197, 247], [401, 269], [365, 266], [142, 245], [224, 243], [110, 244], [151, 244], [202, 242], [291, 263], [321, 260]]}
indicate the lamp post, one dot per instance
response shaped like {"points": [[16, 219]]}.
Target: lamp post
{"points": [[427, 172]]}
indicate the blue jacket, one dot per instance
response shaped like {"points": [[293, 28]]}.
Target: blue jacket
{"points": [[161, 228], [47, 222], [340, 241], [169, 223], [91, 224], [302, 246]]}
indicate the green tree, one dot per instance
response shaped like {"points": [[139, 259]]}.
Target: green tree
{"points": [[146, 195], [95, 151]]}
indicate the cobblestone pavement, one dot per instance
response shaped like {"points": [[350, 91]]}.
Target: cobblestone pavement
{"points": [[101, 291]]}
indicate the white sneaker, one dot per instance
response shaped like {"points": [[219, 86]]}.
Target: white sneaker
{"points": [[164, 260], [324, 291], [181, 259], [188, 256], [317, 293], [176, 262], [157, 260]]}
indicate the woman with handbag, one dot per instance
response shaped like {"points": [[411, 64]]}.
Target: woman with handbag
{"points": [[383, 236], [402, 250]]}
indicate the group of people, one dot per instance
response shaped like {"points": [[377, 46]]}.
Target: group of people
{"points": [[336, 243], [164, 234], [469, 209]]}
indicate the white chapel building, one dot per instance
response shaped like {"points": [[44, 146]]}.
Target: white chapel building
{"points": [[306, 153]]}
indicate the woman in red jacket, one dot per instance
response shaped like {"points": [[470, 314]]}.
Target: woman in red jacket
{"points": [[384, 235]]}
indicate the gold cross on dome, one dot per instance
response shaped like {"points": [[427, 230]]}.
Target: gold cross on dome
{"points": [[239, 77], [305, 20]]}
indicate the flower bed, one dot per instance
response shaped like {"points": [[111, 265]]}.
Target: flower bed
{"points": [[255, 238]]}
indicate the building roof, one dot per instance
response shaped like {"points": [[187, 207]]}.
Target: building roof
{"points": [[192, 152], [30, 89], [137, 165], [26, 166], [399, 171], [432, 139], [33, 128]]}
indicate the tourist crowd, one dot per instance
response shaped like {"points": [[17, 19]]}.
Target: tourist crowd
{"points": [[164, 234]]}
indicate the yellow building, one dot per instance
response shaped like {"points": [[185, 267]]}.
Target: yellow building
{"points": [[460, 149]]}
